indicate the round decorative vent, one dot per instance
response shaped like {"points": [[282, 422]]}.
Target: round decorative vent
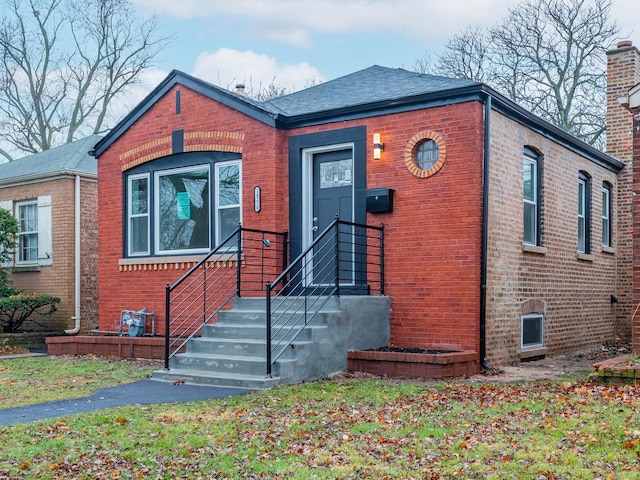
{"points": [[425, 154]]}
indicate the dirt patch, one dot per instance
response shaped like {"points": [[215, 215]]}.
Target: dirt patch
{"points": [[554, 367], [557, 366]]}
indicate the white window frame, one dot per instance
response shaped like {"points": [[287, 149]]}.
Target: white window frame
{"points": [[532, 161], [217, 206], [156, 215], [131, 216], [23, 233], [606, 216], [532, 346], [582, 215]]}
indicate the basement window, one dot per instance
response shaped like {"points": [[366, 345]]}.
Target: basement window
{"points": [[532, 328]]}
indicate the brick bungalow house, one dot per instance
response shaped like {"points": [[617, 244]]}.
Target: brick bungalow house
{"points": [[504, 235], [54, 196]]}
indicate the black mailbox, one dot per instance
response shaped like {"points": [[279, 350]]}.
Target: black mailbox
{"points": [[379, 200]]}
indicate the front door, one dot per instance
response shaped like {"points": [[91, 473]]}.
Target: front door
{"points": [[332, 197]]}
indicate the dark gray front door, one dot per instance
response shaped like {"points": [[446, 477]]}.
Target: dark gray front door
{"points": [[333, 196]]}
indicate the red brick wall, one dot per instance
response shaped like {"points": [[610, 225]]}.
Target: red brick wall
{"points": [[433, 235], [207, 125], [623, 72], [58, 279]]}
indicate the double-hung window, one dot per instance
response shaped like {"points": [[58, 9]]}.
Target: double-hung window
{"points": [[531, 198], [28, 232], [34, 245], [138, 209], [606, 215], [228, 193], [584, 221], [184, 204]]}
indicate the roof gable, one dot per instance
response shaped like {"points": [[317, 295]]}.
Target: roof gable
{"points": [[238, 102], [370, 92]]}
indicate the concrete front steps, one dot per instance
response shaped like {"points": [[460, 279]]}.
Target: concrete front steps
{"points": [[232, 351]]}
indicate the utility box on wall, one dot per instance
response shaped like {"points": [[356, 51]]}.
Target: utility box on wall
{"points": [[379, 200]]}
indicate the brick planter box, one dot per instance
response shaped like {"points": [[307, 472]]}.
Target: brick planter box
{"points": [[116, 346], [616, 370], [417, 365]]}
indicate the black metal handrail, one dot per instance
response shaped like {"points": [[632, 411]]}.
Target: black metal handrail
{"points": [[345, 256], [240, 265]]}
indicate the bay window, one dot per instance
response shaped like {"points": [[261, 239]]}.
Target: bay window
{"points": [[184, 204]]}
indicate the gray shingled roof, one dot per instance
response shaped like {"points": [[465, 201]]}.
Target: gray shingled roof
{"points": [[369, 86], [71, 158]]}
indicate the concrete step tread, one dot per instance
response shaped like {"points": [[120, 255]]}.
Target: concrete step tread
{"points": [[249, 341], [176, 373], [217, 356]]}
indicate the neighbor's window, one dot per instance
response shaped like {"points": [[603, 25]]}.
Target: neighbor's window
{"points": [[28, 233], [182, 210], [531, 198], [584, 228], [34, 244], [606, 215], [532, 328]]}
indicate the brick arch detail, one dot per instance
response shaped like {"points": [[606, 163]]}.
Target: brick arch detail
{"points": [[216, 141], [533, 305]]}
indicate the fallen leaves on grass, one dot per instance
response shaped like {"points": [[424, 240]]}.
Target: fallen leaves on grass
{"points": [[353, 429]]}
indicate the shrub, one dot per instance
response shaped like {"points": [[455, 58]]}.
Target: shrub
{"points": [[16, 308], [8, 233]]}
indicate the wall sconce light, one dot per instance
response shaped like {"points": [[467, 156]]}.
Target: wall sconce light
{"points": [[377, 146]]}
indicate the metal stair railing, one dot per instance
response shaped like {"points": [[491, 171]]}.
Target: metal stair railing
{"points": [[240, 265], [346, 256]]}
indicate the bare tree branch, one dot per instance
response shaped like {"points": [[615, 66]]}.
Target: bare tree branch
{"points": [[63, 64], [547, 55]]}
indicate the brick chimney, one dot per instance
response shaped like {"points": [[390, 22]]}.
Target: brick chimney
{"points": [[623, 72]]}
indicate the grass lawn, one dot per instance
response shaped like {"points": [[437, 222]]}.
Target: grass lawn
{"points": [[26, 381], [347, 429]]}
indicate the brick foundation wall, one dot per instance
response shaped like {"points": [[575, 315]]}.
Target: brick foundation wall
{"points": [[573, 293]]}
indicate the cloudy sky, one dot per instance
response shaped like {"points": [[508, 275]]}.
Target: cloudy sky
{"points": [[293, 42]]}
